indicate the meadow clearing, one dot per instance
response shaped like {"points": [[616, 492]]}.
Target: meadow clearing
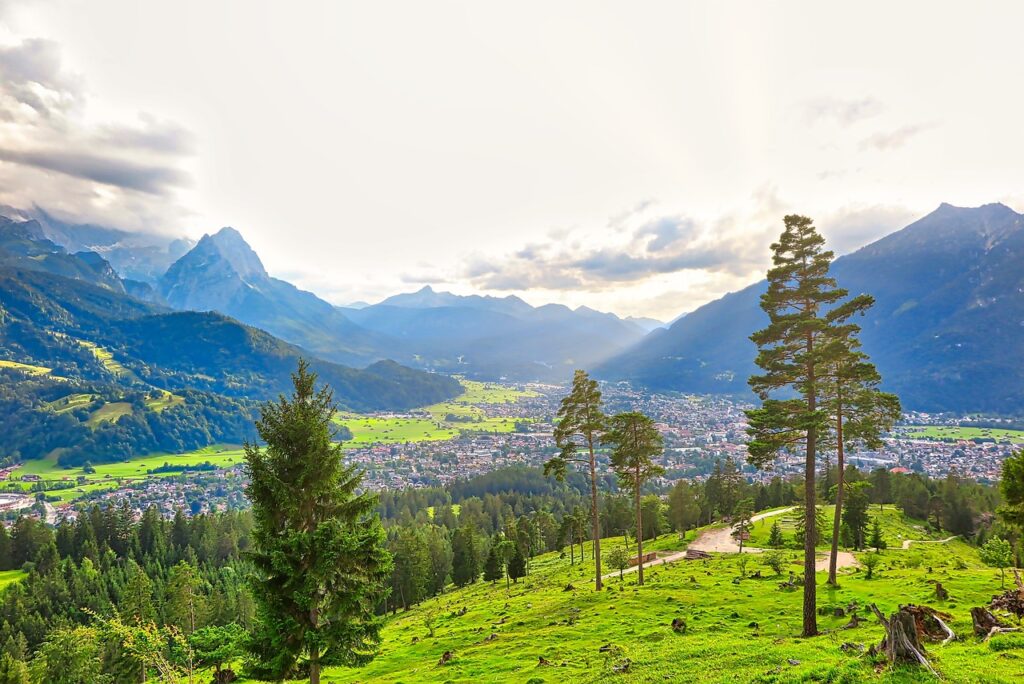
{"points": [[553, 627]]}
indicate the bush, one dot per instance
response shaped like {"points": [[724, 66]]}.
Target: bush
{"points": [[1007, 642]]}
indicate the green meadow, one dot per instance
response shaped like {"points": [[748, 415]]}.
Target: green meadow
{"points": [[443, 421], [9, 577], [895, 527], [553, 627], [109, 475], [941, 432]]}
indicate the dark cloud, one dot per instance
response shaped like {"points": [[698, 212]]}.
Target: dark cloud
{"points": [[127, 171], [100, 169]]}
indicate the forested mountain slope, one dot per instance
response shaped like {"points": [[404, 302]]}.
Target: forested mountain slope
{"points": [[946, 331]]}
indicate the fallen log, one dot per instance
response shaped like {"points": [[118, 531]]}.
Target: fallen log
{"points": [[696, 554]]}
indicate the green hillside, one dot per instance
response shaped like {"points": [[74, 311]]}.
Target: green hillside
{"points": [[737, 630]]}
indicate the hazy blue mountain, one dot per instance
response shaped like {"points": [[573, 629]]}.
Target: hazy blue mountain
{"points": [[43, 316], [24, 245], [947, 331], [494, 337], [222, 273], [141, 256]]}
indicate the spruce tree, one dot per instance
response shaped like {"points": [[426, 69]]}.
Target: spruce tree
{"points": [[579, 425], [319, 547], [493, 567], [516, 564], [775, 539], [465, 556], [635, 441], [790, 353]]}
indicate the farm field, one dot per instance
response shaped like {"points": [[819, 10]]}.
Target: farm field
{"points": [[745, 631], [468, 410], [955, 433], [107, 474]]}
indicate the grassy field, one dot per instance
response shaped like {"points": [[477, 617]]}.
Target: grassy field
{"points": [[956, 433], [9, 577], [71, 402], [25, 368], [108, 475], [895, 528], [469, 411], [736, 632], [109, 412]]}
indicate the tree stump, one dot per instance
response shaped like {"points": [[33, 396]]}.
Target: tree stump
{"points": [[988, 625], [940, 592], [446, 658], [901, 643]]}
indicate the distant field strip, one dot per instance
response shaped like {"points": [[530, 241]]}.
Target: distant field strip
{"points": [[25, 367], [447, 420], [967, 433]]}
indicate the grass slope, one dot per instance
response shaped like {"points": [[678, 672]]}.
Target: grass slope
{"points": [[745, 632], [9, 577]]}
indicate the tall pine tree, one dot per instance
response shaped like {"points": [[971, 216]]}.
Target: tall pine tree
{"points": [[580, 424], [858, 410], [635, 441], [319, 546], [790, 353]]}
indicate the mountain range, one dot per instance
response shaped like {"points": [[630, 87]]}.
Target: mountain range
{"points": [[54, 304], [946, 331], [475, 336]]}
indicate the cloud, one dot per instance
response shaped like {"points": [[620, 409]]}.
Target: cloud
{"points": [[121, 173], [633, 247], [843, 111], [894, 139], [126, 172]]}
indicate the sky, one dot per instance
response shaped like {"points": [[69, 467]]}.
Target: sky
{"points": [[631, 157]]}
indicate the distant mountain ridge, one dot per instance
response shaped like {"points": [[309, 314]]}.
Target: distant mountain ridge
{"points": [[947, 330], [496, 337]]}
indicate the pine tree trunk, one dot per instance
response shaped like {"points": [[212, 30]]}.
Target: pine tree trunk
{"points": [[595, 521], [639, 531], [839, 497], [810, 526]]}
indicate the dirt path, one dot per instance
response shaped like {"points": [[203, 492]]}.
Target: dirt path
{"points": [[720, 541], [908, 542]]}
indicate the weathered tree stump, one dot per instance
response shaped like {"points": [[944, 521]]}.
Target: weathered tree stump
{"points": [[988, 625], [941, 593], [679, 625], [446, 658], [1011, 601], [901, 643]]}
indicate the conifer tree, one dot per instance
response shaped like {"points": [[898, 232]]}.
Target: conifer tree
{"points": [[579, 425], [465, 557], [775, 539], [493, 567], [790, 353], [635, 441], [858, 410], [319, 546], [516, 564]]}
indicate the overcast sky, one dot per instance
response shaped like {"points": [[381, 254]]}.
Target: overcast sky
{"points": [[633, 157]]}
